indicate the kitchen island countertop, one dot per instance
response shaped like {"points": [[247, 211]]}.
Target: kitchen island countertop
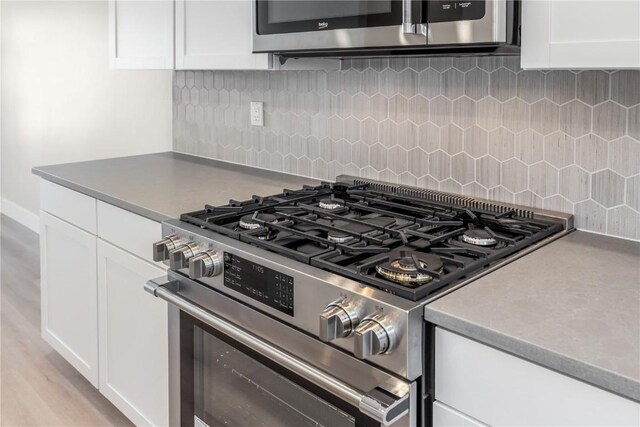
{"points": [[572, 306], [162, 186]]}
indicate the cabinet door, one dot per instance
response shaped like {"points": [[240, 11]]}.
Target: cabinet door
{"points": [[445, 416], [141, 34], [133, 337], [216, 35], [69, 293], [581, 34]]}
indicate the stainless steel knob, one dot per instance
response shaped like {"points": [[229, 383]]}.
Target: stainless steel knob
{"points": [[206, 264], [374, 335], [162, 248], [339, 319], [179, 256]]}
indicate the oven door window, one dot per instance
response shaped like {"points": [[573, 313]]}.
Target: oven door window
{"points": [[286, 16], [225, 384]]}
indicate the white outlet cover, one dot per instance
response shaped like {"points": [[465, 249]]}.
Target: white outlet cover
{"points": [[257, 114]]}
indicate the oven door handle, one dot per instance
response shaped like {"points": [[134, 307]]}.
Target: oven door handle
{"points": [[384, 406]]}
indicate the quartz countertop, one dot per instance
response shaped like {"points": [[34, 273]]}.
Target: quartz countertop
{"points": [[572, 306], [164, 185]]}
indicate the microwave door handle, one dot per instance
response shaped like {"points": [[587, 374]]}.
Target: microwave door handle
{"points": [[379, 404], [411, 18]]}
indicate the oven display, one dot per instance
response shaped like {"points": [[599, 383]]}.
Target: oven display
{"points": [[258, 282]]}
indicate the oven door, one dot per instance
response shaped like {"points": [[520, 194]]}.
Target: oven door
{"points": [[313, 25], [231, 365]]}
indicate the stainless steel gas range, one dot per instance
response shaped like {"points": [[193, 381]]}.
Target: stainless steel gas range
{"points": [[306, 307]]}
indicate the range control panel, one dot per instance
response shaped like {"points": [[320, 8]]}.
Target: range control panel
{"points": [[258, 282], [447, 11]]}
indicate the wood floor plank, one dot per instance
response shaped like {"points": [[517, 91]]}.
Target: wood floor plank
{"points": [[37, 386]]}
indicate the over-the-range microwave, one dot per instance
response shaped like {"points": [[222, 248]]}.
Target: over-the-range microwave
{"points": [[385, 27]]}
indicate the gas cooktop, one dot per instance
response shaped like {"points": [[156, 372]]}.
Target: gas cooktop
{"points": [[406, 241]]}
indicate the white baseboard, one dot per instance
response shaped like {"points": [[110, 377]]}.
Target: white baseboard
{"points": [[20, 214]]}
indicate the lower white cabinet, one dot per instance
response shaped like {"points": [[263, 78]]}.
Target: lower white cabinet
{"points": [[69, 312], [445, 416], [499, 389], [133, 337]]}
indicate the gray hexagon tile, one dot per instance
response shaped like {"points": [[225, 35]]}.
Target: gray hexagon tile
{"points": [[625, 87], [476, 141], [463, 168], [593, 87], [574, 183], [480, 126], [476, 84], [502, 84], [575, 118], [624, 156], [440, 165], [609, 120], [543, 179], [559, 149], [607, 188], [624, 222], [529, 146], [418, 162], [488, 171], [514, 175]]}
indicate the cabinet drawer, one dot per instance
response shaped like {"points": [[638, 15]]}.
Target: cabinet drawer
{"points": [[127, 230], [68, 205], [501, 389]]}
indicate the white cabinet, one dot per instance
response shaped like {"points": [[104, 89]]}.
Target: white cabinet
{"points": [[69, 293], [133, 337], [500, 389], [445, 416], [216, 35], [581, 34], [141, 34]]}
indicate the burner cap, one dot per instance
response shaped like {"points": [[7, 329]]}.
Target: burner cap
{"points": [[335, 236], [479, 237], [247, 222], [331, 203], [401, 267]]}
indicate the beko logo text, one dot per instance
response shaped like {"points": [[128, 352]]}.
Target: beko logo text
{"points": [[322, 25]]}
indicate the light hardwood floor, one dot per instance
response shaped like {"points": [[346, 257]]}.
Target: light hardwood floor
{"points": [[38, 387]]}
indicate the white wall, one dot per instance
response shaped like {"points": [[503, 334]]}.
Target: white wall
{"points": [[60, 102]]}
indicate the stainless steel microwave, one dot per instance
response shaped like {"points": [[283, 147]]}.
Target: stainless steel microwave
{"points": [[385, 27]]}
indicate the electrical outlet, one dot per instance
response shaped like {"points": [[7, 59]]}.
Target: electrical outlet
{"points": [[257, 114]]}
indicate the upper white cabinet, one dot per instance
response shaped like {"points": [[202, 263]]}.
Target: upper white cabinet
{"points": [[141, 34], [581, 34], [216, 34]]}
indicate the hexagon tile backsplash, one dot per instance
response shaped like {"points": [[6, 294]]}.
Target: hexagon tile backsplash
{"points": [[561, 140]]}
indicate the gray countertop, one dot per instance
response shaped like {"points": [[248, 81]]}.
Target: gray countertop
{"points": [[572, 306], [162, 186]]}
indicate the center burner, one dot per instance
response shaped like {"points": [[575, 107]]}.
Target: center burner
{"points": [[479, 237], [409, 267], [406, 241]]}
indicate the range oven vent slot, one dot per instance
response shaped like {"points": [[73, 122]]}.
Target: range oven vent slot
{"points": [[443, 197]]}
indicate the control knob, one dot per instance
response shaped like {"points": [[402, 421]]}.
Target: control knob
{"points": [[206, 264], [375, 335], [179, 256], [339, 319], [162, 248]]}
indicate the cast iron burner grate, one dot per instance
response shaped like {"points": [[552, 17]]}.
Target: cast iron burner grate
{"points": [[405, 245]]}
